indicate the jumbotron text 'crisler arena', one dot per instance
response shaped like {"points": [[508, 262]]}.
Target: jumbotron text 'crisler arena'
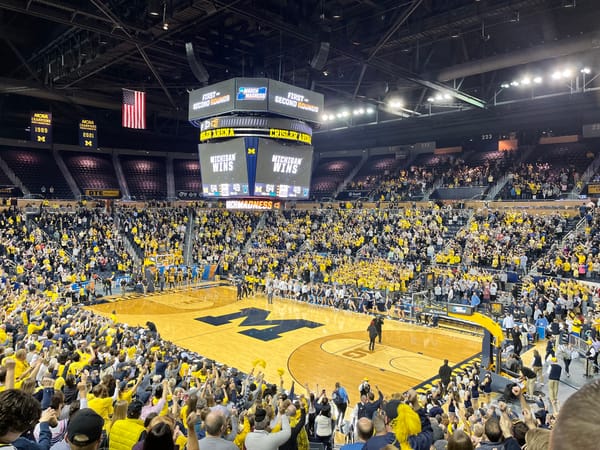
{"points": [[307, 224]]}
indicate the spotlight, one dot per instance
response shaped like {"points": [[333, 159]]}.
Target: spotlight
{"points": [[556, 75], [503, 86], [538, 80], [396, 103], [166, 26], [370, 110], [526, 81], [345, 113], [567, 73], [325, 117], [431, 99], [438, 97], [514, 83], [586, 70], [447, 96], [154, 7], [361, 111]]}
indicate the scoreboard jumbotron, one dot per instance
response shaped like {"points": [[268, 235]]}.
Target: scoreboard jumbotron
{"points": [[255, 138]]}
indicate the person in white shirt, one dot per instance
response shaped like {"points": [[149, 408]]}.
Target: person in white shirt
{"points": [[260, 439]]}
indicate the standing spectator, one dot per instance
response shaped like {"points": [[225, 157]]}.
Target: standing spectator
{"points": [[18, 411], [215, 425], [125, 433], [508, 323], [85, 429], [529, 377], [340, 398], [537, 366], [445, 374], [565, 351], [364, 388], [378, 326], [323, 427], [459, 440], [554, 372], [364, 430], [516, 339], [292, 442], [591, 360], [372, 330], [261, 439]]}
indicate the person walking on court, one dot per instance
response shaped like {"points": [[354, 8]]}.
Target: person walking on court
{"points": [[372, 330], [378, 326]]}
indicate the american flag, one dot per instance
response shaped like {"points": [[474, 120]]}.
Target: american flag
{"points": [[134, 109]]}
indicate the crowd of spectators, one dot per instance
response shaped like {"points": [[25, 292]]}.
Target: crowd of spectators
{"points": [[220, 232], [408, 184], [71, 359], [155, 231], [509, 240], [576, 256], [539, 181]]}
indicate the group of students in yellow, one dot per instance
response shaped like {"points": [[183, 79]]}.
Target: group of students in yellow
{"points": [[501, 239]]}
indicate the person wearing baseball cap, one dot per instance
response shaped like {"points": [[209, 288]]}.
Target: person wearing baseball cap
{"points": [[84, 431]]}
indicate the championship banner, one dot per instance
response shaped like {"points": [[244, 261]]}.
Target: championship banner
{"points": [[41, 127], [88, 134]]}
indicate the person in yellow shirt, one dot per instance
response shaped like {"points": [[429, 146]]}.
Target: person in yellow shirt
{"points": [[101, 403]]}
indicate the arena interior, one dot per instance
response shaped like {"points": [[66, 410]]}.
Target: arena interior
{"points": [[306, 224]]}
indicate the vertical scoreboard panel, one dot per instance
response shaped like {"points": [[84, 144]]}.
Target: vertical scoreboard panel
{"points": [[41, 127]]}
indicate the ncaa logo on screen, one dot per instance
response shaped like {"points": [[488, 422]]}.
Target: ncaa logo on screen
{"points": [[252, 93]]}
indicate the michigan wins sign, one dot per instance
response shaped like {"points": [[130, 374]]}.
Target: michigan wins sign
{"points": [[41, 127], [88, 134]]}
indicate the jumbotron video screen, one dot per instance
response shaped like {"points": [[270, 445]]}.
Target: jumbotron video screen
{"points": [[283, 171], [223, 168]]}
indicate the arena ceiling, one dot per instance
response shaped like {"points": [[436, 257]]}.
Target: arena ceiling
{"points": [[73, 57]]}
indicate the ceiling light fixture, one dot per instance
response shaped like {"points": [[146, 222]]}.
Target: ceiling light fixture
{"points": [[154, 7]]}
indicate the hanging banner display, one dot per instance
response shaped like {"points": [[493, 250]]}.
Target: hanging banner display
{"points": [[88, 134], [41, 127]]}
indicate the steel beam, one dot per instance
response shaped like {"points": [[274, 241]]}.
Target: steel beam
{"points": [[108, 13]]}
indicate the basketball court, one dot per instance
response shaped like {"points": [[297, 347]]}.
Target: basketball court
{"points": [[312, 344]]}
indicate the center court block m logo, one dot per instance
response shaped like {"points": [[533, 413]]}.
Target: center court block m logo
{"points": [[254, 317]]}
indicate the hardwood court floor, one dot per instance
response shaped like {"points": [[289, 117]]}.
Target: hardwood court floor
{"points": [[312, 344]]}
